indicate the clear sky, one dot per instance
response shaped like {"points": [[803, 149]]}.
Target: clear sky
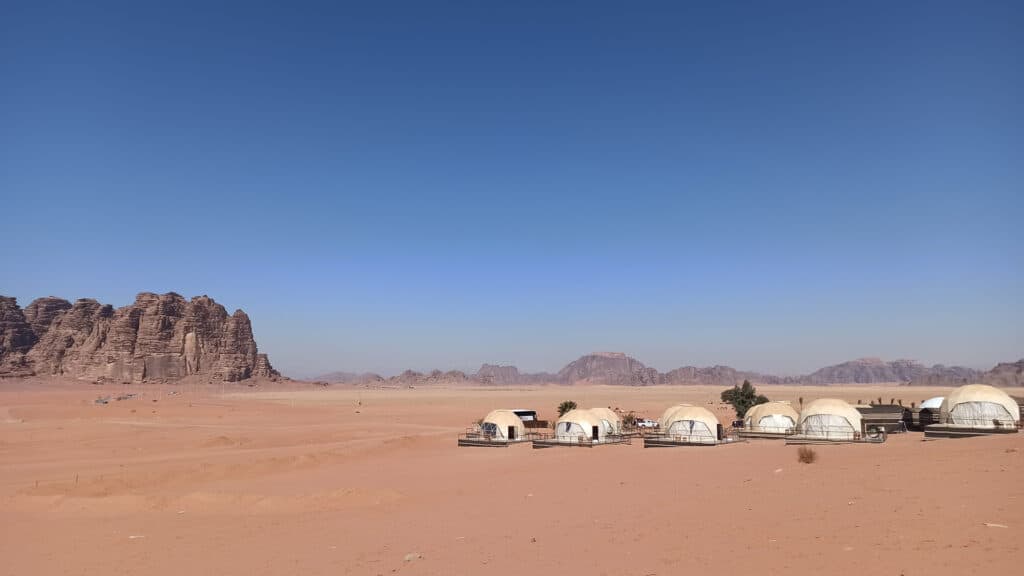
{"points": [[770, 185]]}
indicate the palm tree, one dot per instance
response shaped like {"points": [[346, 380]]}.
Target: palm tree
{"points": [[565, 407]]}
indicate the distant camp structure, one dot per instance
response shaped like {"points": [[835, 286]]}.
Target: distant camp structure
{"points": [[769, 420], [924, 414], [832, 420], [975, 410], [499, 428], [583, 428], [687, 425]]}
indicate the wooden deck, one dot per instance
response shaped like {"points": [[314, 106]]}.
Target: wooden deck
{"points": [[960, 431], [551, 442]]}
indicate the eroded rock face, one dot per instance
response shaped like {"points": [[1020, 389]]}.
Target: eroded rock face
{"points": [[41, 313], [159, 337], [16, 338], [609, 368]]}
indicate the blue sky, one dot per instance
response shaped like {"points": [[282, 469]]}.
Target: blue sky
{"points": [[774, 186]]}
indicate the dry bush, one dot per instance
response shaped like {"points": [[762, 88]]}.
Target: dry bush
{"points": [[806, 455]]}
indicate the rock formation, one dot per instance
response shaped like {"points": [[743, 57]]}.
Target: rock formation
{"points": [[16, 338], [609, 368], [159, 337], [616, 368], [1006, 374], [495, 374]]}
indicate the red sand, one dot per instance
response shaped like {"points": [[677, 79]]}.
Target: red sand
{"points": [[294, 481]]}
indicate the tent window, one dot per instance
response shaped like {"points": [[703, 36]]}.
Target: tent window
{"points": [[691, 431], [828, 426], [778, 423], [981, 414]]}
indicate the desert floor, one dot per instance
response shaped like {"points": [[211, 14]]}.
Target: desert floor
{"points": [[300, 480]]}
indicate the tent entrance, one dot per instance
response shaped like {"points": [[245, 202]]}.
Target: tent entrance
{"points": [[595, 433], [511, 432]]}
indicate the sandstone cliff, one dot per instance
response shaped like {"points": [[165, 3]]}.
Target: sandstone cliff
{"points": [[16, 338], [159, 337]]}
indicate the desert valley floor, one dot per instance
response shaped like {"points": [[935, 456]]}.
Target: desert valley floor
{"points": [[293, 479]]}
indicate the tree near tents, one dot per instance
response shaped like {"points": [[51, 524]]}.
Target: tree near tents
{"points": [[743, 398], [565, 407]]}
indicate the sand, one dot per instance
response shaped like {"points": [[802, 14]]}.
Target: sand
{"points": [[237, 480]]}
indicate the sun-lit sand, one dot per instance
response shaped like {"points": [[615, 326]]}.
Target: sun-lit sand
{"points": [[297, 479]]}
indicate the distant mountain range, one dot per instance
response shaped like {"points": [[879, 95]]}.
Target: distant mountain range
{"points": [[616, 368]]}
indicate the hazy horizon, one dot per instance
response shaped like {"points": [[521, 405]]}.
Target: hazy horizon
{"points": [[775, 187]]}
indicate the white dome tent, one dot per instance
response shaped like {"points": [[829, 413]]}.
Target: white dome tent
{"points": [[979, 406], [690, 424], [580, 426], [771, 418], [503, 426], [829, 419]]}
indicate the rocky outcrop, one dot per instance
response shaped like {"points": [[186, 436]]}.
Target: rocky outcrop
{"points": [[495, 374], [717, 376], [1006, 374], [350, 378], [16, 339], [41, 313], [609, 368], [158, 337], [875, 371]]}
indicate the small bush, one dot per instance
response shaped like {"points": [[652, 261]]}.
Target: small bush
{"points": [[806, 455]]}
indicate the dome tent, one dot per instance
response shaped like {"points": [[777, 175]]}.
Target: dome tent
{"points": [[503, 426], [691, 424], [662, 422], [771, 417], [979, 406], [611, 421], [580, 426], [829, 419]]}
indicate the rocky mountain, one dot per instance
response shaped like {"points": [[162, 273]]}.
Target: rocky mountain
{"points": [[874, 370], [350, 378], [495, 374], [158, 337], [1006, 374], [609, 368], [719, 376]]}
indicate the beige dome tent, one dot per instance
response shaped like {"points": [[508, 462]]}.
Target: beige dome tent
{"points": [[694, 424], [503, 426], [668, 412], [611, 421], [771, 417], [580, 425], [829, 419], [979, 406]]}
